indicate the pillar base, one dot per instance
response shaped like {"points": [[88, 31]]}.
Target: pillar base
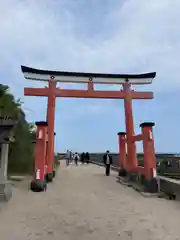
{"points": [[151, 185], [122, 172], [54, 173], [49, 177], [38, 185], [5, 191], [132, 176]]}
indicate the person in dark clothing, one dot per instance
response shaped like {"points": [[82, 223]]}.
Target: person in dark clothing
{"points": [[82, 158], [107, 159], [87, 158], [76, 158]]}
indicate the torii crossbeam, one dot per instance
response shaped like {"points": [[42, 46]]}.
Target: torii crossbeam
{"points": [[52, 77]]}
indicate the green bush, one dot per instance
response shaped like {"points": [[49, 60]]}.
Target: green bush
{"points": [[21, 151]]}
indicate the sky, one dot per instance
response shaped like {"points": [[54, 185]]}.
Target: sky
{"points": [[106, 36]]}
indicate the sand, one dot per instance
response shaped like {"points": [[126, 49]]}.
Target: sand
{"points": [[84, 204]]}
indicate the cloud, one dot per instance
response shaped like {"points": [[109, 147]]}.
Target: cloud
{"points": [[114, 36], [63, 35]]}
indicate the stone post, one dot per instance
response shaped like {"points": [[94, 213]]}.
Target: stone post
{"points": [[6, 125]]}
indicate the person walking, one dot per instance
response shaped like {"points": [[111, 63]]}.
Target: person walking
{"points": [[82, 158], [107, 159], [70, 157], [76, 158], [67, 158], [87, 158]]}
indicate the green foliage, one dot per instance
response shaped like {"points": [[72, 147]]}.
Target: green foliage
{"points": [[8, 105], [21, 151]]}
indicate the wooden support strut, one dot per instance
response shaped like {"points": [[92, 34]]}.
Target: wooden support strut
{"points": [[138, 138], [90, 85]]}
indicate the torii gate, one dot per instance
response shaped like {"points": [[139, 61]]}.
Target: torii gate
{"points": [[126, 80]]}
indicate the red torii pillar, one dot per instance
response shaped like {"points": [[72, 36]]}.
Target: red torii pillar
{"points": [[54, 167], [51, 134], [122, 150], [49, 177], [38, 183], [149, 150], [131, 146]]}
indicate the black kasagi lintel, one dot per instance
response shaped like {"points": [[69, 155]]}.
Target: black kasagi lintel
{"points": [[147, 124], [25, 69], [41, 123], [121, 133]]}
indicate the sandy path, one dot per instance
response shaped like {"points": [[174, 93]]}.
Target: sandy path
{"points": [[84, 204]]}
